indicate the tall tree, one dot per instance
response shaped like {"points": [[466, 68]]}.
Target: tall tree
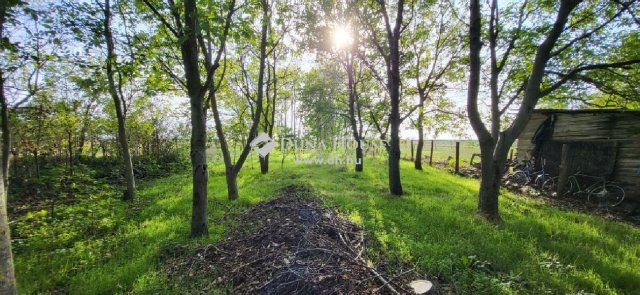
{"points": [[278, 28], [389, 50], [118, 100], [435, 51], [187, 31], [354, 77], [22, 68], [575, 22], [232, 169], [7, 275]]}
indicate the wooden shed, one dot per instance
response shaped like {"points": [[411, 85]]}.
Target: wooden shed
{"points": [[596, 142]]}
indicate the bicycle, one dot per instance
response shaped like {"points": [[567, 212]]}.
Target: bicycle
{"points": [[525, 174], [607, 193]]}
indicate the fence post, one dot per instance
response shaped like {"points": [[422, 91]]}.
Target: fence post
{"points": [[564, 169], [431, 154], [457, 157]]}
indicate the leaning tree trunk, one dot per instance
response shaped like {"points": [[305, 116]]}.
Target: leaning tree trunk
{"points": [[232, 183], [418, 160], [130, 192], [232, 170]]}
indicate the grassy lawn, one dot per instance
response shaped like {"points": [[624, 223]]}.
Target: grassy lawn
{"points": [[104, 246]]}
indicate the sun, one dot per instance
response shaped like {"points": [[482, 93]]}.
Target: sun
{"points": [[342, 36]]}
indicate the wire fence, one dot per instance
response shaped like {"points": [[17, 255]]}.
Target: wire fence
{"points": [[443, 152], [449, 153]]}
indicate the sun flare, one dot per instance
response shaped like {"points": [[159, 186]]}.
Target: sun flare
{"points": [[342, 36]]}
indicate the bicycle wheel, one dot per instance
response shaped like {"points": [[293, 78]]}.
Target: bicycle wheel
{"points": [[549, 185], [610, 195], [518, 177], [571, 187], [540, 179]]}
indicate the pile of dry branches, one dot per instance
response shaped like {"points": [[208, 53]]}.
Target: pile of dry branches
{"points": [[293, 245]]}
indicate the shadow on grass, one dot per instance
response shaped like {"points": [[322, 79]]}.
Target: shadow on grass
{"points": [[433, 226]]}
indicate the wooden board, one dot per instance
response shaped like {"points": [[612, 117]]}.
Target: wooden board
{"points": [[597, 131]]}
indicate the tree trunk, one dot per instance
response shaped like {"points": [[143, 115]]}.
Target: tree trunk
{"points": [[264, 164], [495, 144], [70, 151], [81, 140], [395, 186], [232, 184], [232, 169], [36, 159], [189, 52], [36, 155], [359, 158], [7, 276], [491, 171], [418, 160], [130, 192], [393, 77], [352, 112], [6, 136], [199, 224]]}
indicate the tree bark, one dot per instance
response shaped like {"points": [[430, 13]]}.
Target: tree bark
{"points": [[490, 187], [395, 186], [189, 50], [6, 136], [232, 183], [70, 151], [7, 275], [269, 117], [199, 224], [495, 144], [232, 169], [351, 85], [418, 160], [130, 192], [264, 164]]}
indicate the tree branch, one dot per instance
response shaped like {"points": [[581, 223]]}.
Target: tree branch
{"points": [[161, 18], [571, 74]]}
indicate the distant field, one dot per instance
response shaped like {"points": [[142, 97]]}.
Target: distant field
{"points": [[443, 150]]}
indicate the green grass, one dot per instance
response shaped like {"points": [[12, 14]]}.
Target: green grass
{"points": [[538, 248]]}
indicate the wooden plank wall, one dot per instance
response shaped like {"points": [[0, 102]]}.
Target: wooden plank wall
{"points": [[605, 126]]}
